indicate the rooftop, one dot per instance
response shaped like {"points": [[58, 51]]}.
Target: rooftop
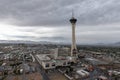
{"points": [[95, 61]]}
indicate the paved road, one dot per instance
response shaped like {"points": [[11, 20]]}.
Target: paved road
{"points": [[41, 70], [9, 77], [44, 75]]}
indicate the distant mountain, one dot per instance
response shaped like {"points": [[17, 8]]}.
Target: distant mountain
{"points": [[31, 42], [117, 44], [14, 41], [25, 42]]}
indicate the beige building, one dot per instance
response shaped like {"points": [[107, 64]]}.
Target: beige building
{"points": [[48, 63]]}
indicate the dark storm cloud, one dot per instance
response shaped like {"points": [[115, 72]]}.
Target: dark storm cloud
{"points": [[98, 20], [57, 12]]}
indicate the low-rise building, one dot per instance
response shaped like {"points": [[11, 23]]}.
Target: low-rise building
{"points": [[48, 63]]}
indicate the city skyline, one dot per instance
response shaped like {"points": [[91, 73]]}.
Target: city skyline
{"points": [[38, 20]]}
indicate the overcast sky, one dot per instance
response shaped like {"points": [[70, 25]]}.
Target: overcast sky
{"points": [[48, 20]]}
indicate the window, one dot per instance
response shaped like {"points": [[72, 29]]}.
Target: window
{"points": [[47, 65], [64, 63], [68, 63], [53, 64]]}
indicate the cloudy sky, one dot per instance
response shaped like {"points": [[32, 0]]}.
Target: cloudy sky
{"points": [[48, 20]]}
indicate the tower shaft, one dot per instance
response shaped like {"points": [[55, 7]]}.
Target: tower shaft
{"points": [[73, 46]]}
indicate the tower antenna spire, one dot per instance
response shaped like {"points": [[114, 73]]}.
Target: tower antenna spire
{"points": [[72, 13]]}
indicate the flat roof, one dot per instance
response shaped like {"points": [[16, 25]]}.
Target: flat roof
{"points": [[95, 61], [43, 57], [54, 60]]}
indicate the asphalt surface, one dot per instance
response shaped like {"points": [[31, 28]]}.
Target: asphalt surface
{"points": [[41, 70]]}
